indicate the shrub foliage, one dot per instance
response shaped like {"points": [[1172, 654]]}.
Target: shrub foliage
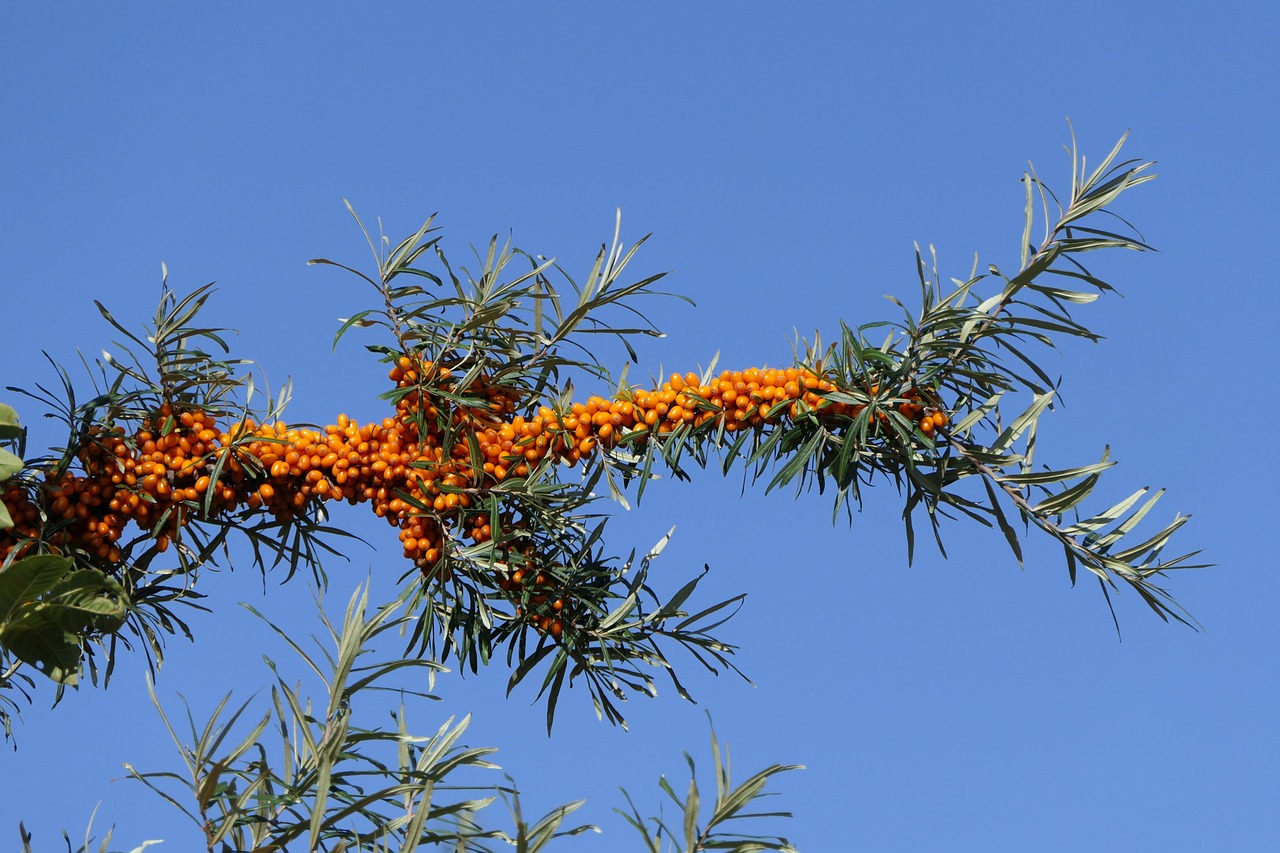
{"points": [[489, 465]]}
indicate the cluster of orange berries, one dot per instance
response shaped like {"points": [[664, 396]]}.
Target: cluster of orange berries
{"points": [[737, 400], [24, 514], [151, 477], [425, 470]]}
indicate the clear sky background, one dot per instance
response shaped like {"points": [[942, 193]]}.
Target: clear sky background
{"points": [[785, 157]]}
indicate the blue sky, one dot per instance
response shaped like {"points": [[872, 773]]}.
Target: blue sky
{"points": [[785, 159]]}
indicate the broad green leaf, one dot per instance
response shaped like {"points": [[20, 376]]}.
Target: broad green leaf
{"points": [[86, 600], [28, 579], [9, 426], [10, 464], [45, 645]]}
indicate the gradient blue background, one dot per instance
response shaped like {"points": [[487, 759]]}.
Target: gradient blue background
{"points": [[785, 158]]}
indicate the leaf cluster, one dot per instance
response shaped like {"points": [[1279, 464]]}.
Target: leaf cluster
{"points": [[695, 832], [520, 327], [306, 775], [973, 352], [515, 332]]}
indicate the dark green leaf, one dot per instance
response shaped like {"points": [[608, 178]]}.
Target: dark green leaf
{"points": [[45, 645], [27, 579]]}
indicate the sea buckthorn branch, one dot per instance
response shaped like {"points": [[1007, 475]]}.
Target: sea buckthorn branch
{"points": [[139, 451], [514, 345], [488, 465], [1084, 542], [956, 343], [954, 351], [188, 463], [183, 468]]}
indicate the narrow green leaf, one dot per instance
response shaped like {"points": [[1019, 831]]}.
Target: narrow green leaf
{"points": [[1154, 544], [692, 803], [1040, 478], [1028, 216], [1067, 499], [1105, 541], [1107, 516], [1010, 535], [1015, 430]]}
